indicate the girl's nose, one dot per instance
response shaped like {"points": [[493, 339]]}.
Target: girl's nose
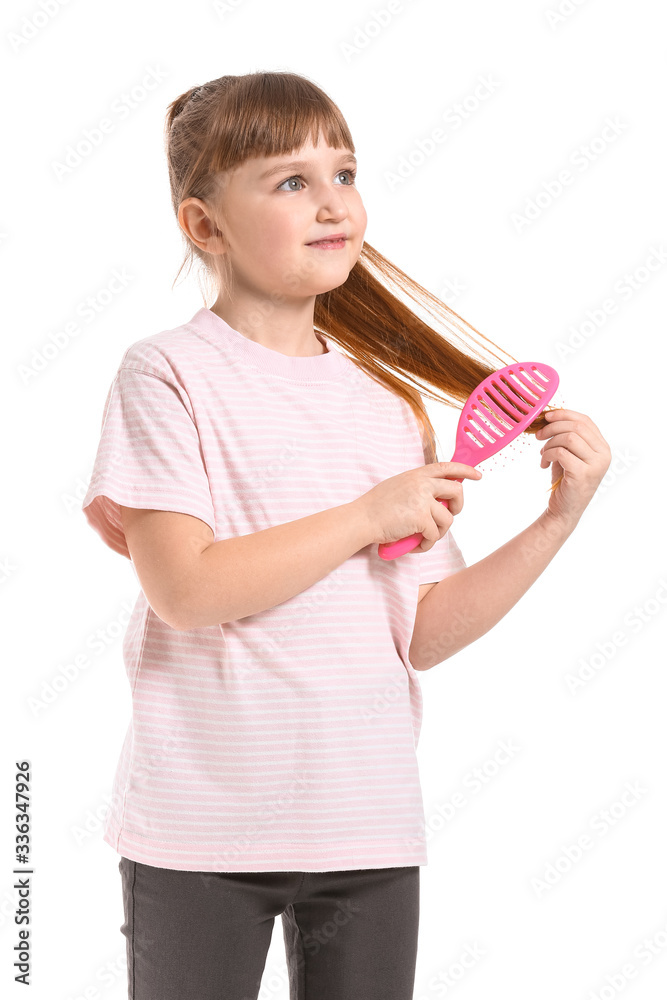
{"points": [[332, 207]]}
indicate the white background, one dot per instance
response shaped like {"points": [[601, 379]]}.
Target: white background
{"points": [[558, 80]]}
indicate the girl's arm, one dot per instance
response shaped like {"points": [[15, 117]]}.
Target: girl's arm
{"points": [[465, 605], [462, 607], [191, 581]]}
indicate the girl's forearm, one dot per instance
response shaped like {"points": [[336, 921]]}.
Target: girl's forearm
{"points": [[465, 605], [241, 576]]}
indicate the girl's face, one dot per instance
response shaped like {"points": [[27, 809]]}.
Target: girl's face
{"points": [[271, 208]]}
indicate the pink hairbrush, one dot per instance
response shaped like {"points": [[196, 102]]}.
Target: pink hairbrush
{"points": [[495, 413]]}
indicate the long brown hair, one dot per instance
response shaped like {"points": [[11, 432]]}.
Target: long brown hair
{"points": [[214, 127]]}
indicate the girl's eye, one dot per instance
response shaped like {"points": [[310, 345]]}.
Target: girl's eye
{"points": [[352, 174], [295, 178]]}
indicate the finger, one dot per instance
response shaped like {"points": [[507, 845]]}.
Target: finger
{"points": [[573, 443], [430, 535], [452, 470], [448, 490], [444, 516], [565, 414], [561, 427], [557, 416], [568, 461]]}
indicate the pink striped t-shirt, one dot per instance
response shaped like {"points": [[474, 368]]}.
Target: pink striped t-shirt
{"points": [[285, 740]]}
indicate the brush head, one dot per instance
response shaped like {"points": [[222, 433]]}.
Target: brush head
{"points": [[502, 407], [495, 413]]}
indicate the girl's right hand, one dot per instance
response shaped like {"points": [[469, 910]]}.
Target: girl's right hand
{"points": [[408, 504]]}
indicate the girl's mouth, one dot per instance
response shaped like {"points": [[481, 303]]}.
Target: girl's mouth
{"points": [[327, 244]]}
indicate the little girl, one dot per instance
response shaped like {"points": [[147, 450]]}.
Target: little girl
{"points": [[251, 461]]}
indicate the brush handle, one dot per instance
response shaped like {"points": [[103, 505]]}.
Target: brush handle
{"points": [[390, 550]]}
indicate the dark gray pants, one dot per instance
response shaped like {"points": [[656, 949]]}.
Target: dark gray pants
{"points": [[349, 935]]}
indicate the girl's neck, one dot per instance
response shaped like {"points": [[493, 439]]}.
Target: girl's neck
{"points": [[268, 334]]}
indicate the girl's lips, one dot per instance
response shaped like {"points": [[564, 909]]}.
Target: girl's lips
{"points": [[328, 244]]}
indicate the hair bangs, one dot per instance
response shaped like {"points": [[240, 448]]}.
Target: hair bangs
{"points": [[274, 114]]}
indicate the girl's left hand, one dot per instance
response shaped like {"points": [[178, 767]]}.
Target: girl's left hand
{"points": [[579, 455]]}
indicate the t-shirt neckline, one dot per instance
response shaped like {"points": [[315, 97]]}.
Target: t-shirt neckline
{"points": [[316, 368]]}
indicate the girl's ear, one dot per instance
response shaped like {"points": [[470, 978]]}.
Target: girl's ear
{"points": [[197, 222]]}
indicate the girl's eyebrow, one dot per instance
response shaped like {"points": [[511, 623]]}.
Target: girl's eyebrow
{"points": [[301, 165]]}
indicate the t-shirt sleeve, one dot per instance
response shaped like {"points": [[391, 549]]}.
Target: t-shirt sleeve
{"points": [[149, 456], [441, 560]]}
